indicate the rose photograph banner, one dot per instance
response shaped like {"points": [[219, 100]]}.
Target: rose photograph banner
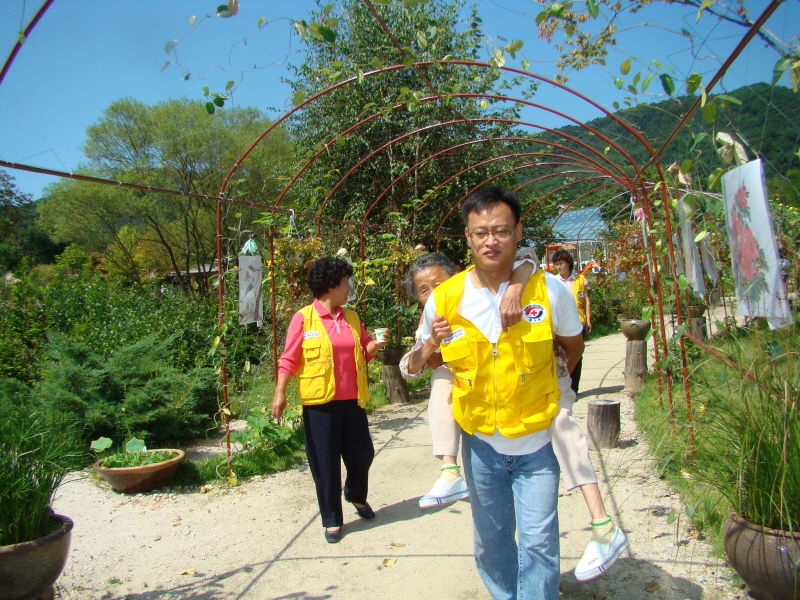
{"points": [[754, 251]]}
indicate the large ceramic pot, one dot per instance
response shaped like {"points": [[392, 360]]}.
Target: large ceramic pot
{"points": [[132, 480], [29, 570], [634, 329], [391, 356], [767, 560]]}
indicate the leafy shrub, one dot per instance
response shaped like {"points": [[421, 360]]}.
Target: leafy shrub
{"points": [[136, 392]]}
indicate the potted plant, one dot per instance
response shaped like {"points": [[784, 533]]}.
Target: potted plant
{"points": [[137, 469], [404, 320], [751, 457], [36, 452]]}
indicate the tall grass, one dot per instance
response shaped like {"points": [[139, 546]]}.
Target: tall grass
{"points": [[36, 453], [747, 433]]}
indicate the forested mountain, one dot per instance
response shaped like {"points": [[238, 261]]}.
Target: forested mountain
{"points": [[765, 122]]}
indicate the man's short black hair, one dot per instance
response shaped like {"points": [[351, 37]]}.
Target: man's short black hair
{"points": [[565, 255], [483, 199], [327, 273]]}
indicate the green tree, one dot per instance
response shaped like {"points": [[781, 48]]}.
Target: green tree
{"points": [[174, 145], [427, 31]]}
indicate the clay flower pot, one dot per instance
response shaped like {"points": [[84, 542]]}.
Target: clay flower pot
{"points": [[765, 559], [29, 570], [132, 480], [634, 329]]}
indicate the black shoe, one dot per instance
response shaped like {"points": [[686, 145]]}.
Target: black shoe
{"points": [[332, 536], [365, 512]]}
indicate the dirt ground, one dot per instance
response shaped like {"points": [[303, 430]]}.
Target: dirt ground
{"points": [[263, 538]]}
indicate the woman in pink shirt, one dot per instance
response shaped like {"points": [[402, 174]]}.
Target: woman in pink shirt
{"points": [[327, 349]]}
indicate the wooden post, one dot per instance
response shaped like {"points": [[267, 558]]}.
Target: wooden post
{"points": [[396, 387], [635, 364], [697, 327], [603, 423]]}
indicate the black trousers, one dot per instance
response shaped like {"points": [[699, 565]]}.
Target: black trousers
{"points": [[575, 376], [338, 431]]}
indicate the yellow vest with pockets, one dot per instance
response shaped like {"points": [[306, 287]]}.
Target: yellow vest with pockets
{"points": [[315, 381], [512, 385], [579, 293]]}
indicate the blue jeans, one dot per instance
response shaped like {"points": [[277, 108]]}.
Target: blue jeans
{"points": [[508, 494]]}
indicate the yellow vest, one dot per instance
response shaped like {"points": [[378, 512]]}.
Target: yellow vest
{"points": [[579, 293], [315, 380], [511, 385]]}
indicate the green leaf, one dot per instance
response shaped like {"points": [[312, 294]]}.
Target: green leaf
{"points": [[632, 89], [636, 78], [714, 178], [681, 330], [710, 112], [671, 518], [619, 82], [683, 283], [686, 165], [615, 105], [164, 67], [591, 5], [340, 139], [667, 84], [329, 35], [625, 67], [222, 11], [134, 445], [730, 99], [210, 107], [261, 22], [205, 90], [646, 82], [298, 97], [302, 30], [541, 17], [696, 140], [331, 22], [219, 101], [691, 511], [647, 312], [705, 4], [192, 19], [693, 82], [422, 41], [101, 444], [170, 45], [484, 104], [701, 236], [526, 64], [229, 85]]}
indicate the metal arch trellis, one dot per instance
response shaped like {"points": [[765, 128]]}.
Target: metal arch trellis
{"points": [[641, 191]]}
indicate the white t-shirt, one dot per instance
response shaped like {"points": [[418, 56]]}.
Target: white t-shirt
{"points": [[482, 308]]}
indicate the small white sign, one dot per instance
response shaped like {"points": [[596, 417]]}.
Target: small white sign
{"points": [[458, 333], [310, 334]]}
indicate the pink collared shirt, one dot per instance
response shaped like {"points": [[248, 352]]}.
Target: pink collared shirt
{"points": [[344, 362]]}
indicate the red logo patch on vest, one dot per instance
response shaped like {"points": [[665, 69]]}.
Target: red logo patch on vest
{"points": [[534, 313]]}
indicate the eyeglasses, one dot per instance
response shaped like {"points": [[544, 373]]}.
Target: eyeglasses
{"points": [[481, 235]]}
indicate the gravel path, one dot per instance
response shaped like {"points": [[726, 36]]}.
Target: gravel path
{"points": [[263, 539]]}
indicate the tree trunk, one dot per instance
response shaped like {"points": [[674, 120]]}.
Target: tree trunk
{"points": [[396, 388], [697, 327], [603, 423], [635, 364]]}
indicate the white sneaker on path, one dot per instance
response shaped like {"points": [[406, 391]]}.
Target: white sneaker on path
{"points": [[597, 558], [444, 492]]}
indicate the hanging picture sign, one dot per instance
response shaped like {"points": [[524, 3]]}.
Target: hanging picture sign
{"points": [[754, 251], [251, 303]]}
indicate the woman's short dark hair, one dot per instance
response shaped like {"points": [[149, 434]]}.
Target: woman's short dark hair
{"points": [[483, 199], [426, 261], [563, 254], [327, 273]]}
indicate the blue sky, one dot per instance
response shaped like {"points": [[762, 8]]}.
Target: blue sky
{"points": [[84, 54]]}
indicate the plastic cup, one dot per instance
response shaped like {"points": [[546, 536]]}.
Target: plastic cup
{"points": [[379, 331]]}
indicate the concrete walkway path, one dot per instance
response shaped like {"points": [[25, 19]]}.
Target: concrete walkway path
{"points": [[263, 539]]}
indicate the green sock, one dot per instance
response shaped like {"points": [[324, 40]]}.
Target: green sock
{"points": [[603, 531], [450, 473]]}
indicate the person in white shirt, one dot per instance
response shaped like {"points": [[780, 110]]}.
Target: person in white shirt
{"points": [[505, 397], [579, 288]]}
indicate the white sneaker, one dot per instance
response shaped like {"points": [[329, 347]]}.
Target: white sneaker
{"points": [[444, 492], [599, 557]]}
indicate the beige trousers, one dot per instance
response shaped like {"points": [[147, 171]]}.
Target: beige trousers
{"points": [[445, 432]]}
